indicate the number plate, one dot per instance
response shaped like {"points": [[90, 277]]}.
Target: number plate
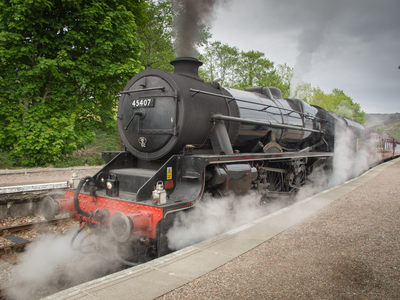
{"points": [[145, 102]]}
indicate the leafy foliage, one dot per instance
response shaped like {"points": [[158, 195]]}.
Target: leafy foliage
{"points": [[239, 69], [220, 62], [62, 63], [282, 79], [157, 35], [253, 68], [90, 154], [338, 102]]}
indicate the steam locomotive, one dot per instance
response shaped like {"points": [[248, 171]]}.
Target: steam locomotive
{"points": [[184, 138]]}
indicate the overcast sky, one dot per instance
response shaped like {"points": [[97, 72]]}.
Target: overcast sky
{"points": [[353, 45]]}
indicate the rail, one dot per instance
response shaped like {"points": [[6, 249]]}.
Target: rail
{"points": [[27, 226], [18, 243]]}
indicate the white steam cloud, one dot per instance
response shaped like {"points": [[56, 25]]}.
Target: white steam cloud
{"points": [[352, 156], [51, 264], [312, 36], [213, 216]]}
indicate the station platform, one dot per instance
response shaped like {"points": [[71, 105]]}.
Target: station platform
{"points": [[341, 243], [22, 189], [43, 175]]}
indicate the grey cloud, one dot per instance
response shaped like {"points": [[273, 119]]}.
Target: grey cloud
{"points": [[353, 45]]}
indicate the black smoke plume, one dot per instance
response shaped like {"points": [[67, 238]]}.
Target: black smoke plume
{"points": [[190, 16]]}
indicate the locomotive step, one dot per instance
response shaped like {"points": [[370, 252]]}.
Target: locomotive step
{"points": [[126, 196], [131, 180]]}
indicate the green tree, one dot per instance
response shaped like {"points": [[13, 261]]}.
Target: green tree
{"points": [[253, 69], [220, 62], [305, 91], [338, 102], [241, 69], [157, 35], [62, 64], [284, 78], [279, 77], [347, 107]]}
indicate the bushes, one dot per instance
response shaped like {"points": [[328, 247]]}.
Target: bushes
{"points": [[62, 64]]}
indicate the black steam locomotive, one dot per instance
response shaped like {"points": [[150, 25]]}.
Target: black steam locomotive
{"points": [[184, 138]]}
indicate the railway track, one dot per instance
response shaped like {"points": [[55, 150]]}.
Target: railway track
{"points": [[20, 194], [21, 227], [15, 238], [18, 243]]}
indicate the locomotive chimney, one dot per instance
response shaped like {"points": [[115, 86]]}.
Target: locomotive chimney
{"points": [[188, 66]]}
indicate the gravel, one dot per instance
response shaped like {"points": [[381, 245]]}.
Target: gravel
{"points": [[349, 250]]}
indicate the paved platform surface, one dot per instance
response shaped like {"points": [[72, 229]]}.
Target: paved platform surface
{"points": [[341, 243], [43, 175]]}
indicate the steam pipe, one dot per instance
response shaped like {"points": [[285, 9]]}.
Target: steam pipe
{"points": [[76, 196]]}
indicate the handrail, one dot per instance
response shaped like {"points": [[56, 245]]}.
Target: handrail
{"points": [[255, 122], [162, 88], [266, 106]]}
